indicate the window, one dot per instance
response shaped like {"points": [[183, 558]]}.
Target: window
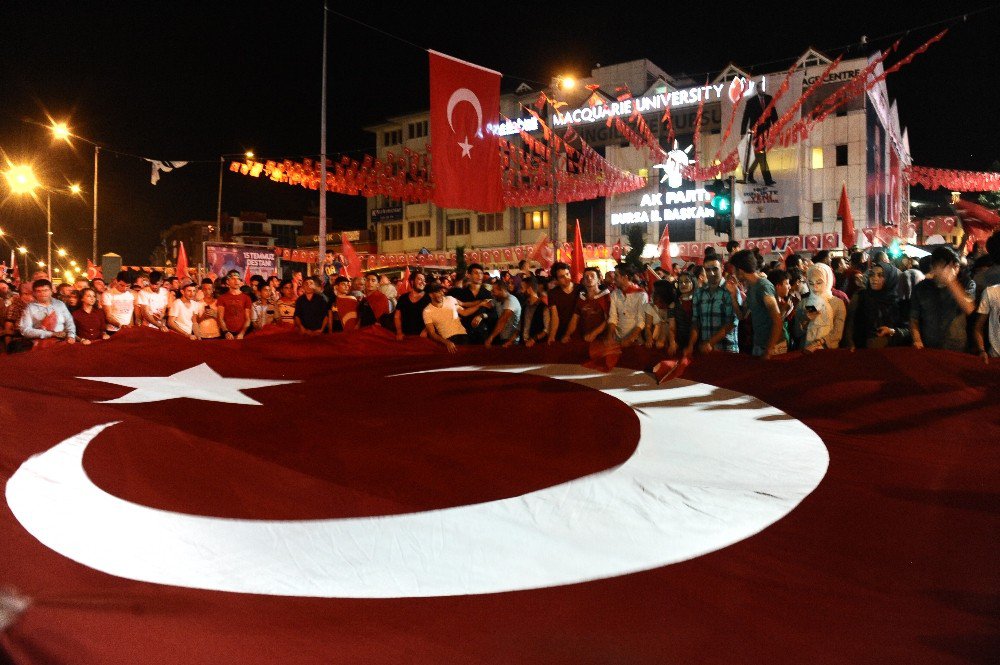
{"points": [[420, 228], [536, 219], [417, 130], [818, 211], [392, 232], [841, 112], [817, 158], [395, 137], [491, 222], [285, 234], [458, 226], [842, 154], [253, 228]]}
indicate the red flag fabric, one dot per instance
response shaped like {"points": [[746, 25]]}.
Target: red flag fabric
{"points": [[542, 253], [579, 262], [404, 282], [664, 247], [182, 262], [352, 264], [466, 160], [822, 572], [847, 221], [788, 253]]}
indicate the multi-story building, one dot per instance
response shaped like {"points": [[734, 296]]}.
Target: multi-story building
{"points": [[792, 192], [248, 228]]}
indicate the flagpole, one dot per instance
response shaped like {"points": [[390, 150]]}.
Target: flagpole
{"points": [[321, 253], [218, 205]]}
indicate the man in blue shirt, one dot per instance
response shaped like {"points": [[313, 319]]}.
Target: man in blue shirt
{"points": [[760, 304], [713, 310], [45, 318]]}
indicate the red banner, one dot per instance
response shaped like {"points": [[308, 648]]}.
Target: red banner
{"points": [[466, 162]]}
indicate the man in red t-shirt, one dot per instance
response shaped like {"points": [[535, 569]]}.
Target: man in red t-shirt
{"points": [[592, 310], [377, 300], [234, 308]]}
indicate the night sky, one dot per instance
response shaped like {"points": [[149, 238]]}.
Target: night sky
{"points": [[191, 81]]}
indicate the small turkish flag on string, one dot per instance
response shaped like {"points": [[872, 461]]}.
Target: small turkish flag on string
{"points": [[352, 264], [664, 247], [182, 261], [465, 158], [578, 263], [847, 221]]}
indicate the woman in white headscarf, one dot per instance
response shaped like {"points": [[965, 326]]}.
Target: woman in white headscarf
{"points": [[821, 280]]}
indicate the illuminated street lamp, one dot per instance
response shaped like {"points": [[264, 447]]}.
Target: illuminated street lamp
{"points": [[21, 179], [75, 189], [73, 263], [62, 252]]}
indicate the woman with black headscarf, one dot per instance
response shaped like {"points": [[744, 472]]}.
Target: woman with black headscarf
{"points": [[873, 319]]}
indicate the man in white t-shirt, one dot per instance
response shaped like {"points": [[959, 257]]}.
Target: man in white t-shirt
{"points": [[441, 318], [989, 312], [184, 312], [118, 303], [152, 302]]}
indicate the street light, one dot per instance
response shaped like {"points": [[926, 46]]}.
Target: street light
{"points": [[62, 252], [21, 179], [61, 131]]}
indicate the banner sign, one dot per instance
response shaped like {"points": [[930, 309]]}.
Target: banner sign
{"points": [[390, 214], [254, 259]]}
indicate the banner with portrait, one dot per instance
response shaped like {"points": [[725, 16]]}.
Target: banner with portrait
{"points": [[770, 177], [220, 258]]}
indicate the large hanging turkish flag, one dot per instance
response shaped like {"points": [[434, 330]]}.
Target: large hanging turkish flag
{"points": [[464, 155]]}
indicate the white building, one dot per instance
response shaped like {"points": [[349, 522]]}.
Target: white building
{"points": [[860, 146]]}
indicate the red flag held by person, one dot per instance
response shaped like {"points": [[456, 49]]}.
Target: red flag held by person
{"points": [[789, 252], [404, 282], [182, 262], [352, 264], [465, 157], [542, 253], [664, 247], [578, 263], [847, 221]]}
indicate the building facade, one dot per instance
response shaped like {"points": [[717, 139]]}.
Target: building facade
{"points": [[791, 192]]}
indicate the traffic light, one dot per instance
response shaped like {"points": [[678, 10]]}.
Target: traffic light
{"points": [[722, 204], [895, 251]]}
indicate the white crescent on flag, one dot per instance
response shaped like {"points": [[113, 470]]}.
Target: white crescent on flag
{"points": [[712, 467]]}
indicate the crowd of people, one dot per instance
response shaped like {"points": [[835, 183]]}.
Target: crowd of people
{"points": [[728, 303]]}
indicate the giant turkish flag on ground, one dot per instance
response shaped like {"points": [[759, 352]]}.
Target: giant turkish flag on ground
{"points": [[464, 155], [188, 504]]}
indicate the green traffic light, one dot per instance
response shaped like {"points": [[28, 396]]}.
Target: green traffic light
{"points": [[720, 203]]}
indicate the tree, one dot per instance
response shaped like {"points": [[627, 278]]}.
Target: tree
{"points": [[991, 199]]}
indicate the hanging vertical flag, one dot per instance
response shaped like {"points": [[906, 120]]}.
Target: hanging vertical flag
{"points": [[664, 247], [847, 221], [352, 264], [578, 263], [166, 167], [465, 155], [182, 262]]}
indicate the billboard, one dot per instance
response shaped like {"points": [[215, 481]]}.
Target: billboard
{"points": [[770, 177], [220, 258]]}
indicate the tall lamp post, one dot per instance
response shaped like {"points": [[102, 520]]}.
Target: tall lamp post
{"points": [[22, 180], [61, 131]]}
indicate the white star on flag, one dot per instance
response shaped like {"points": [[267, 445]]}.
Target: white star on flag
{"points": [[466, 148], [201, 382]]}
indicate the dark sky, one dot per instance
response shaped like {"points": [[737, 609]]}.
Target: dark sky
{"points": [[193, 80]]}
